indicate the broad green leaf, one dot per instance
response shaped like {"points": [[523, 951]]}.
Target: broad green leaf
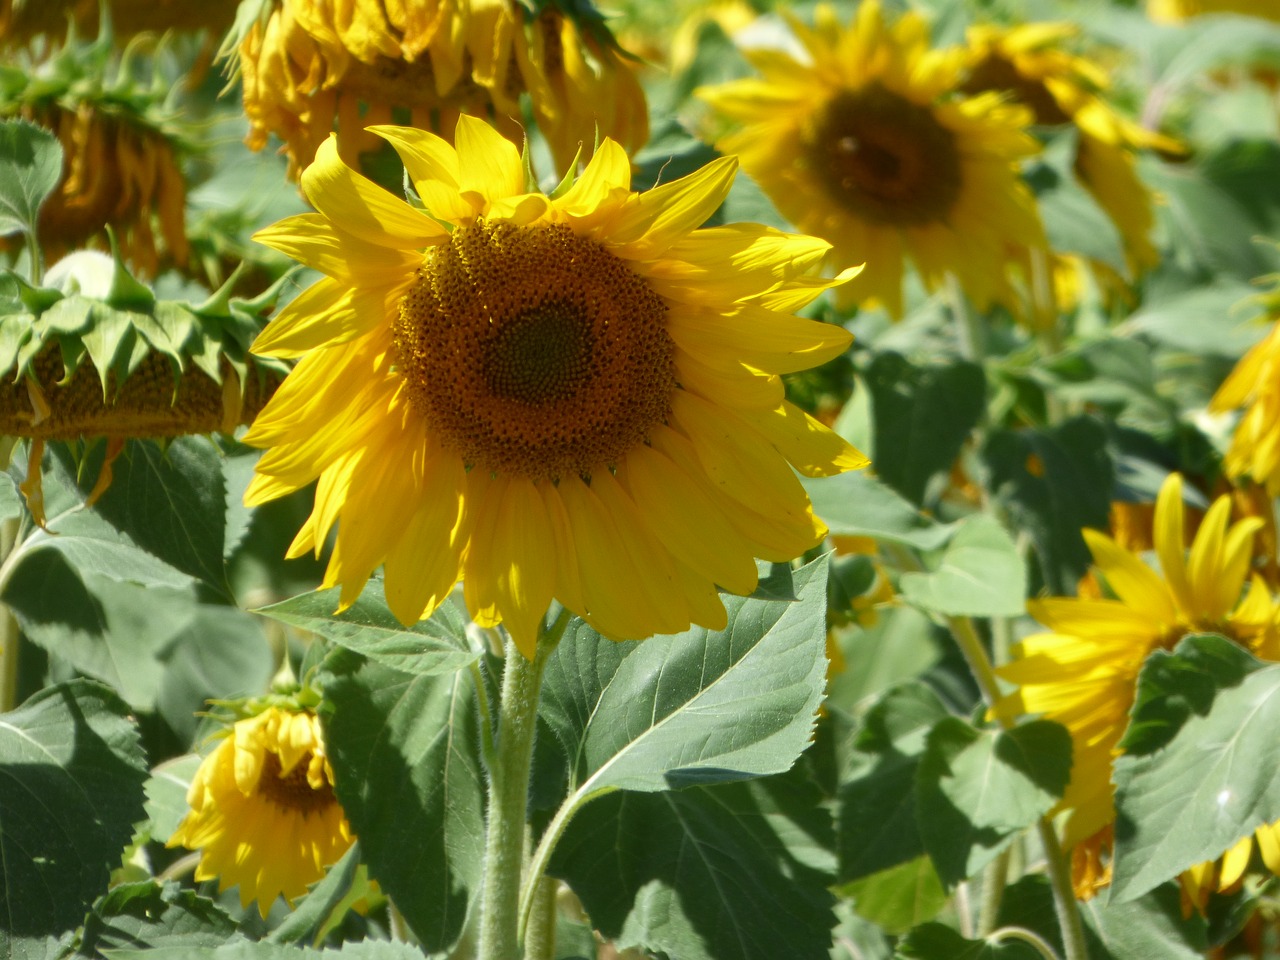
{"points": [[727, 872], [71, 776], [979, 574], [1054, 483], [899, 898], [859, 505], [1073, 221], [922, 416], [437, 645], [166, 791], [151, 914], [936, 941], [903, 643], [1222, 318], [876, 804], [405, 755], [697, 707], [325, 903], [856, 938], [977, 790], [30, 165], [1200, 769]]}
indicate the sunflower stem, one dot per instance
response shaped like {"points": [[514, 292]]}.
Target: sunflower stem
{"points": [[1037, 942], [994, 880], [540, 934], [509, 795], [969, 332], [9, 633], [1064, 896]]}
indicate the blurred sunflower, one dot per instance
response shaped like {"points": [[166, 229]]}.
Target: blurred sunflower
{"points": [[1083, 672], [1175, 11], [1254, 384], [573, 396], [1029, 64], [869, 144], [263, 812], [309, 63]]}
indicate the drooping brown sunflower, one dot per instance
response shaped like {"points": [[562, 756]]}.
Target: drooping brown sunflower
{"points": [[868, 143], [574, 396], [308, 65]]}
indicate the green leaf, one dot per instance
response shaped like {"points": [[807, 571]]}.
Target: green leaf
{"points": [[325, 903], [899, 898], [166, 791], [1221, 319], [979, 574], [404, 750], [71, 776], [876, 804], [30, 165], [697, 707], [977, 790], [1201, 768], [728, 872], [922, 416], [1065, 488], [151, 914], [936, 941], [1073, 220], [437, 645], [859, 505]]}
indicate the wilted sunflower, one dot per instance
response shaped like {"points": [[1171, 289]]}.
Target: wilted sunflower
{"points": [[573, 396], [263, 812], [309, 63], [869, 145], [1029, 63], [1083, 673]]}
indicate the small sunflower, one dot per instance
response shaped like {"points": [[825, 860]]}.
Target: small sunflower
{"points": [[1084, 671], [1029, 63], [263, 811], [1175, 11], [869, 145], [573, 396], [1254, 384], [307, 64]]}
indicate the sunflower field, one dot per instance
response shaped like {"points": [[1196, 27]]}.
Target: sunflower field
{"points": [[621, 479]]}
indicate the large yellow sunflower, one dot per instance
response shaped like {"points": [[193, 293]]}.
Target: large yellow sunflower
{"points": [[573, 396], [1029, 63], [308, 64], [1083, 672], [263, 813], [868, 144]]}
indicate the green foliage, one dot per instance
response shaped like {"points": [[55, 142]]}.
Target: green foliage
{"points": [[978, 574], [858, 505], [30, 165], [150, 914], [935, 941], [71, 776], [437, 645], [405, 751], [1196, 775]]}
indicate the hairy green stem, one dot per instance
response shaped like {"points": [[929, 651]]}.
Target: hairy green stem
{"points": [[540, 933], [1038, 942], [994, 879], [509, 795]]}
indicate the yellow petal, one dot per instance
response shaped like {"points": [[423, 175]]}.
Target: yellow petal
{"points": [[327, 313], [1133, 581], [488, 164], [312, 240], [654, 220], [1168, 535], [362, 207], [608, 172], [432, 164], [426, 561], [811, 447]]}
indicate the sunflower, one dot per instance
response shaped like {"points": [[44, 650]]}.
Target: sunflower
{"points": [[1029, 64], [1175, 11], [309, 63], [1084, 671], [869, 145], [263, 812], [1254, 384], [573, 396]]}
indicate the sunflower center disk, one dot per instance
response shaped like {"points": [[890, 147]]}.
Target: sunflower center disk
{"points": [[292, 791], [533, 352], [997, 73], [884, 158]]}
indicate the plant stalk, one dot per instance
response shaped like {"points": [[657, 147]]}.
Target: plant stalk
{"points": [[540, 934], [509, 795]]}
